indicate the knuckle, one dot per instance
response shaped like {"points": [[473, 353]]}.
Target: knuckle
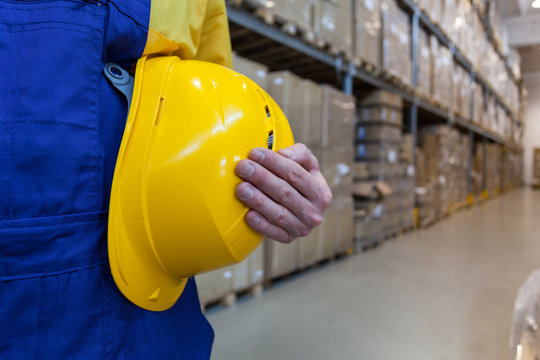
{"points": [[294, 174], [281, 216], [285, 195]]}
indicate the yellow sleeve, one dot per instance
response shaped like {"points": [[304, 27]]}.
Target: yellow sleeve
{"points": [[190, 29]]}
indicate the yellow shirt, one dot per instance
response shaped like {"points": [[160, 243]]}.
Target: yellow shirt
{"points": [[190, 29]]}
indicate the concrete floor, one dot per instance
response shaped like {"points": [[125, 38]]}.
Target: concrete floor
{"points": [[446, 292]]}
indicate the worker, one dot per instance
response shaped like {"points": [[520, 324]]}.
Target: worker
{"points": [[61, 123]]}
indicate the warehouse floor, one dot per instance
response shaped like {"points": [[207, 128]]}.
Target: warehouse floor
{"points": [[446, 292]]}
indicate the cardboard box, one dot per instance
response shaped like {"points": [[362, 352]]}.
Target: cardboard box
{"points": [[212, 285], [377, 131], [367, 34], [280, 259], [334, 24], [255, 71], [396, 47], [338, 113], [328, 231], [536, 163], [424, 63], [256, 266], [407, 149], [297, 13], [307, 249], [344, 238], [381, 98], [377, 151], [377, 114], [300, 101]]}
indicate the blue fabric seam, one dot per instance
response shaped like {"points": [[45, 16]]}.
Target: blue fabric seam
{"points": [[138, 21], [52, 123], [7, 278], [58, 28], [55, 225]]}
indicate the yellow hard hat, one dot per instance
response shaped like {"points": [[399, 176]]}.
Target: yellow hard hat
{"points": [[173, 212]]}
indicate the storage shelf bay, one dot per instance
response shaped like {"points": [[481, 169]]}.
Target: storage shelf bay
{"points": [[268, 44], [459, 56]]}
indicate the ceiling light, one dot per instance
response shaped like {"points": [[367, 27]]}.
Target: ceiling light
{"points": [[536, 4]]}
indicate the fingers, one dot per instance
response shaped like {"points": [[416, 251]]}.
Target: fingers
{"points": [[275, 213], [292, 165], [258, 223], [301, 154], [277, 191]]}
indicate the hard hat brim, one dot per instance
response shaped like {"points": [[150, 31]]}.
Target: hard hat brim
{"points": [[134, 264]]}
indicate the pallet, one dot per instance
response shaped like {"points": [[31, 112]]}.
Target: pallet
{"points": [[318, 264], [391, 78], [366, 66], [288, 26], [368, 243], [230, 298]]}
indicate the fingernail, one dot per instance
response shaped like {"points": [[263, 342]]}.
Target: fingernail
{"points": [[245, 193], [255, 219], [287, 153], [258, 156], [247, 169]]}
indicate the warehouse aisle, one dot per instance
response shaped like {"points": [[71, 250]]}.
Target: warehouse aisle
{"points": [[446, 292]]}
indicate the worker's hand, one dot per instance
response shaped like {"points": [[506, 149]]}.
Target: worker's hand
{"points": [[286, 192]]}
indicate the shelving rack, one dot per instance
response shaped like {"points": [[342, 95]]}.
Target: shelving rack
{"points": [[269, 44]]}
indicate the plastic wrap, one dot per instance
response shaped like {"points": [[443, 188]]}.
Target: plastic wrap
{"points": [[525, 332]]}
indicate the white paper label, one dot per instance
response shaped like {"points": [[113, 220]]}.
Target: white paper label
{"points": [[258, 273], [404, 38], [383, 113], [392, 156], [378, 210], [425, 53], [228, 274], [410, 170], [261, 74], [343, 169], [393, 117], [369, 5], [278, 81]]}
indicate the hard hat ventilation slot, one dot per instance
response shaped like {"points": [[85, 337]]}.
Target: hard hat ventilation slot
{"points": [[270, 139], [267, 111]]}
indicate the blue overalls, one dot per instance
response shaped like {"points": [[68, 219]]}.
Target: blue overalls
{"points": [[61, 124]]}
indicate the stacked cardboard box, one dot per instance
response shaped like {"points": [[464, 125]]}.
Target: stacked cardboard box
{"points": [[536, 168], [396, 48], [492, 172], [367, 34], [441, 73], [215, 284], [298, 14], [334, 24], [493, 169], [462, 92], [384, 184], [512, 162], [478, 103], [424, 64], [441, 171], [338, 113]]}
